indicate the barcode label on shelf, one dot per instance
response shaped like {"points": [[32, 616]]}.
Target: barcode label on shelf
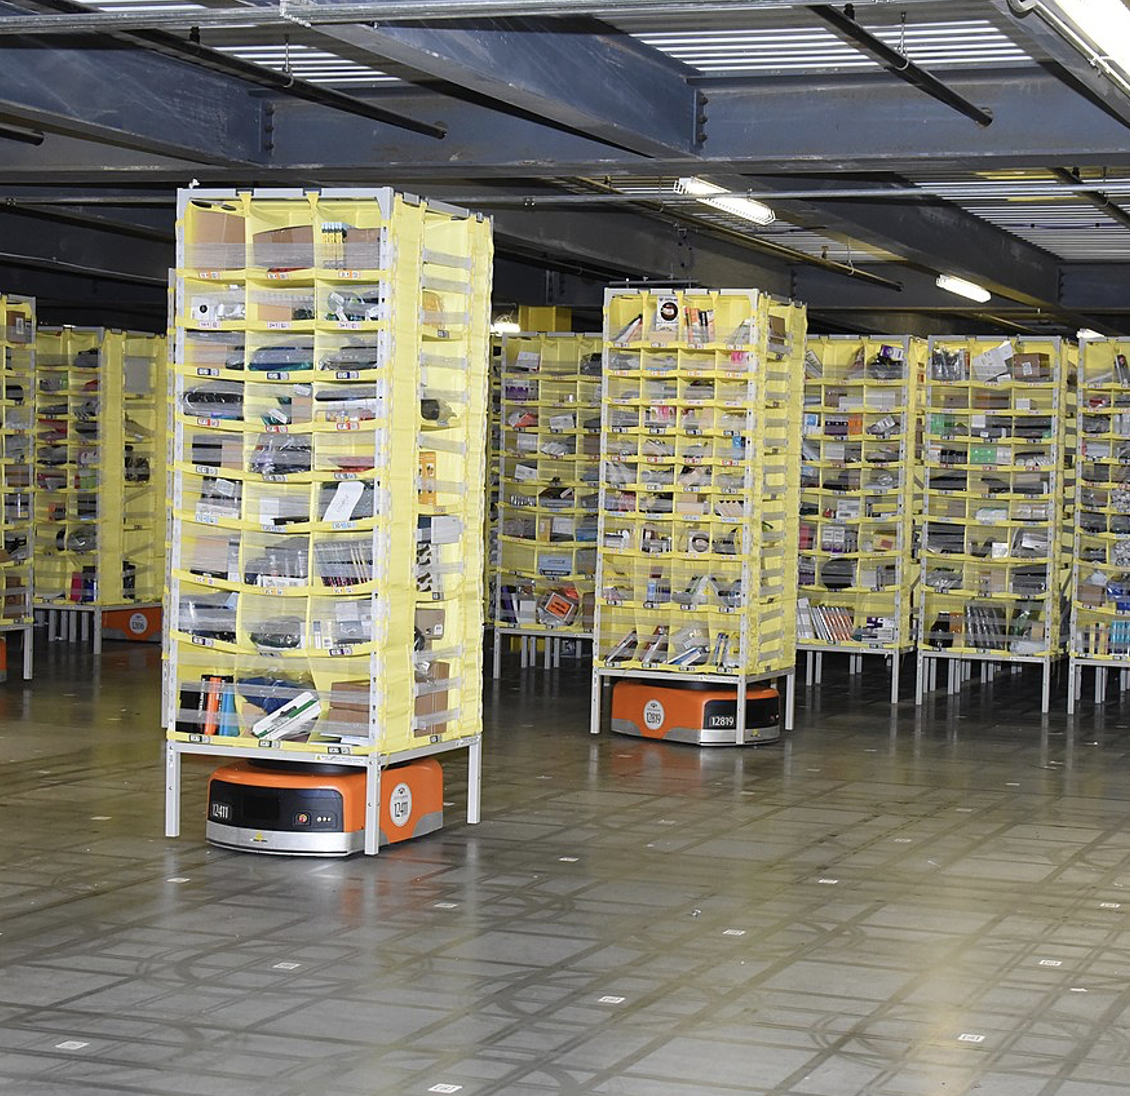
{"points": [[206, 371], [349, 325], [210, 275], [276, 376], [278, 325], [266, 744], [278, 275], [274, 477], [347, 374], [348, 426], [196, 738], [207, 422], [343, 652], [345, 525], [207, 519], [205, 470], [203, 641], [345, 475]]}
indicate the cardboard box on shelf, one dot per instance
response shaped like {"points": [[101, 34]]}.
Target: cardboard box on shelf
{"points": [[430, 623], [1031, 367], [432, 703]]}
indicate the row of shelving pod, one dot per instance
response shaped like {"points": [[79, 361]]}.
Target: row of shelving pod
{"points": [[17, 405], [549, 462], [699, 490], [1099, 636], [99, 463], [321, 488], [993, 578], [859, 491]]}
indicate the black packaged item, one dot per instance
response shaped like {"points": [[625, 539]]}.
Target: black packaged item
{"points": [[281, 454], [279, 634]]}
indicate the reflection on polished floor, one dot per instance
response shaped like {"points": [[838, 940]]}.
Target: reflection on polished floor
{"points": [[884, 904]]}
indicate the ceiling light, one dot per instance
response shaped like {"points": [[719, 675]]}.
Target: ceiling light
{"points": [[1106, 23], [746, 208], [1087, 333], [962, 288]]}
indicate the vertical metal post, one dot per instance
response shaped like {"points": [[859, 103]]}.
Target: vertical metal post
{"points": [[29, 651], [98, 631], [594, 703], [1046, 698], [474, 781], [809, 668], [739, 711], [373, 804], [896, 666], [790, 701], [172, 790]]}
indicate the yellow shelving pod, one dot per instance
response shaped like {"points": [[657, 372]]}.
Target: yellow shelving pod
{"points": [[17, 404], [699, 506], [1100, 538], [99, 470], [329, 452], [549, 427], [994, 463], [857, 500]]}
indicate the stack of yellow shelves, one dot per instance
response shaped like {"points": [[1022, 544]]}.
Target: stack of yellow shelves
{"points": [[994, 464], [1100, 541], [17, 403], [858, 486], [326, 578], [494, 459], [697, 540], [548, 491], [100, 479]]}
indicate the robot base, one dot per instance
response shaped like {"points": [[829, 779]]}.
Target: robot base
{"points": [[296, 809], [696, 712]]}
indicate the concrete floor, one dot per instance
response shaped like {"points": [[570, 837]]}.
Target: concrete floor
{"points": [[882, 905]]}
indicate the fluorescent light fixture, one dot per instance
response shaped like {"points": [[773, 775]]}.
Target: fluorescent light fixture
{"points": [[504, 327], [1106, 23], [1087, 333], [962, 288], [746, 208]]}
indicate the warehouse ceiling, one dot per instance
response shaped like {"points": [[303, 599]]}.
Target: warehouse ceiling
{"points": [[892, 140]]}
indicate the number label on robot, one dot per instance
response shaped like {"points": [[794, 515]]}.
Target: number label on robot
{"points": [[653, 715], [400, 805]]}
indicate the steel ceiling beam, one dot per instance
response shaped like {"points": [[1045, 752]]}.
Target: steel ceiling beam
{"points": [[936, 236], [193, 53], [129, 98], [1090, 194], [844, 26], [1037, 24], [327, 14], [604, 85]]}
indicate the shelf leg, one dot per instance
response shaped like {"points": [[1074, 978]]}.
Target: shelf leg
{"points": [[896, 666], [86, 626], [52, 625], [557, 654], [1072, 677], [790, 701], [1100, 684], [1123, 680], [523, 650], [172, 790], [949, 677], [1046, 696], [594, 704], [933, 685], [819, 667], [372, 806], [29, 651], [97, 631], [72, 627], [984, 673], [498, 639], [739, 711], [919, 679], [474, 781], [966, 671], [808, 668], [548, 652]]}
